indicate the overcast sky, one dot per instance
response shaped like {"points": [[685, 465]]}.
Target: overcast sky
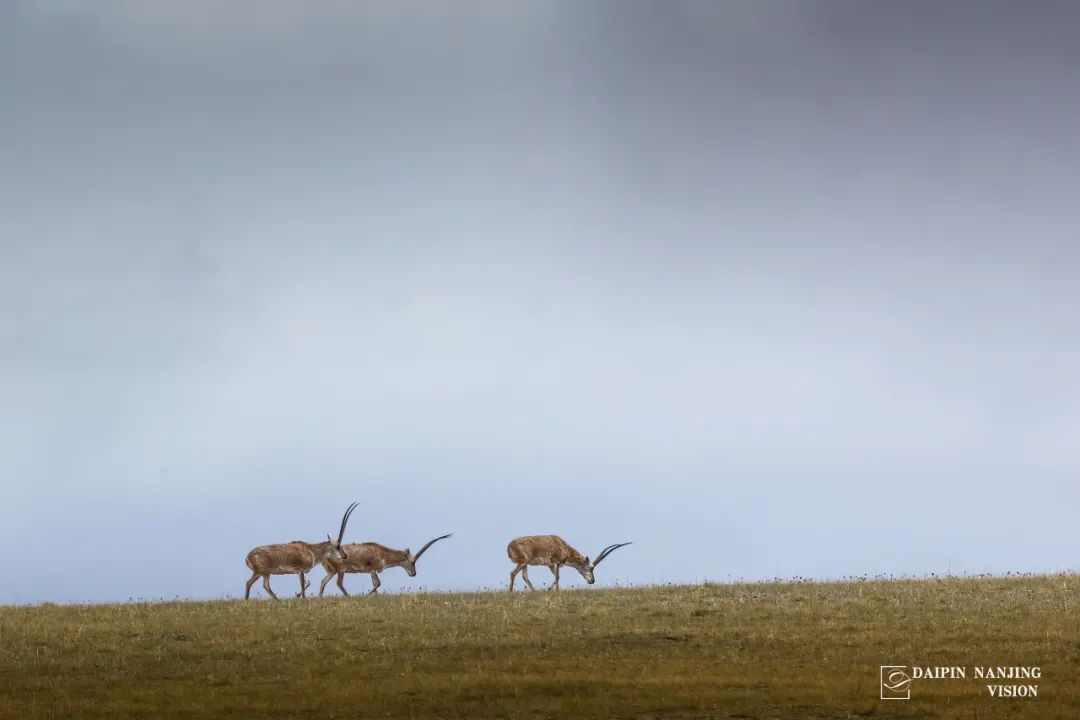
{"points": [[769, 288]]}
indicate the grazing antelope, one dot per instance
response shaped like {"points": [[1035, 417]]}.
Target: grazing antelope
{"points": [[553, 551], [294, 558], [371, 558]]}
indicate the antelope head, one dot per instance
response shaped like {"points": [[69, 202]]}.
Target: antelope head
{"points": [[336, 551], [586, 568], [410, 560]]}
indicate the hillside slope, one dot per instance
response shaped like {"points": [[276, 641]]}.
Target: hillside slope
{"points": [[783, 650]]}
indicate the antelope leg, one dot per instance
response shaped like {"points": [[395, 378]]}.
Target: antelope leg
{"points": [[322, 585], [554, 571], [513, 574], [250, 582], [304, 585]]}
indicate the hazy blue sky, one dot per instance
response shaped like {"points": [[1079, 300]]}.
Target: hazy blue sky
{"points": [[768, 288]]}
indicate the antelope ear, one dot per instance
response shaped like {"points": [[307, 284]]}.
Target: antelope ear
{"points": [[328, 537], [586, 559]]}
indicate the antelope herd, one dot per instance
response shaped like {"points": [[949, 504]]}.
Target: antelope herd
{"points": [[294, 558], [299, 558]]}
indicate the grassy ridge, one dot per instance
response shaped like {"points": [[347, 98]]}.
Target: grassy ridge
{"points": [[784, 650]]}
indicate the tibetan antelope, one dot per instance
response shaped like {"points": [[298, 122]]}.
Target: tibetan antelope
{"points": [[294, 558], [554, 552], [371, 558]]}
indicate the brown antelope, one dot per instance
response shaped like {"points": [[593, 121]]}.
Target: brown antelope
{"points": [[371, 558], [554, 552], [294, 558]]}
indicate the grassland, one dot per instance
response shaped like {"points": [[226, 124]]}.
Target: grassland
{"points": [[771, 650]]}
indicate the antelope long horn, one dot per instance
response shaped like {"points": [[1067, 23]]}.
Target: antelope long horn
{"points": [[429, 544], [345, 521], [608, 550]]}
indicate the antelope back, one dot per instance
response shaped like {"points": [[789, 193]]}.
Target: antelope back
{"points": [[282, 559], [539, 549], [365, 558]]}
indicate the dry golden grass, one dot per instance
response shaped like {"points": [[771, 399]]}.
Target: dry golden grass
{"points": [[771, 650]]}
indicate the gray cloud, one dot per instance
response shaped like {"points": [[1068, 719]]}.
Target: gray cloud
{"points": [[216, 37], [793, 284]]}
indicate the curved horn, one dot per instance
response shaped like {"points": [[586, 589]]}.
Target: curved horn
{"points": [[608, 550], [429, 544], [345, 521]]}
